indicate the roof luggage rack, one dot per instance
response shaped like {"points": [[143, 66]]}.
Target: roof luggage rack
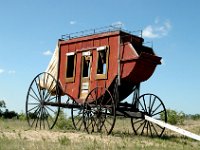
{"points": [[110, 28]]}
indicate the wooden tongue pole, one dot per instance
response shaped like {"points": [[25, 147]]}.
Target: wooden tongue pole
{"points": [[173, 128]]}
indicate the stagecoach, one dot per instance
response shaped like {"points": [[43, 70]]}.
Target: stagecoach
{"points": [[91, 73]]}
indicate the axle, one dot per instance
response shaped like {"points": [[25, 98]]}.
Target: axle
{"points": [[63, 105]]}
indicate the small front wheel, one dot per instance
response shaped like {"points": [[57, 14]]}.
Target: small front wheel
{"points": [[152, 106]]}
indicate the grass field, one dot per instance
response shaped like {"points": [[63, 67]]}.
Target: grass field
{"points": [[15, 134]]}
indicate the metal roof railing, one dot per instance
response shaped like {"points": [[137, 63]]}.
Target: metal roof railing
{"points": [[111, 28]]}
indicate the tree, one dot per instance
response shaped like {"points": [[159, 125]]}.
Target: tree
{"points": [[2, 104], [173, 117]]}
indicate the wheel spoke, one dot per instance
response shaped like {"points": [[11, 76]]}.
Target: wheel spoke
{"points": [[150, 104], [38, 99], [37, 110], [108, 101], [150, 129], [159, 126], [33, 103], [80, 119], [141, 106], [106, 120], [138, 121], [47, 96], [158, 113], [42, 92], [50, 99], [105, 128], [47, 118], [91, 122], [155, 129], [50, 109], [46, 93], [77, 116], [49, 115], [95, 122], [143, 127], [38, 118], [33, 108], [38, 88], [41, 118], [145, 105], [67, 101], [156, 109], [140, 125], [81, 124]]}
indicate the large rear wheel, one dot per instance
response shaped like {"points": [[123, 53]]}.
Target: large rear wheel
{"points": [[43, 92]]}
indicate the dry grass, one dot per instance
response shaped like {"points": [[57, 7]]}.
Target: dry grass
{"points": [[16, 134]]}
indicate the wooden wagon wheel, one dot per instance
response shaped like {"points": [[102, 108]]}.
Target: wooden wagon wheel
{"points": [[77, 116], [152, 106], [99, 113], [43, 90]]}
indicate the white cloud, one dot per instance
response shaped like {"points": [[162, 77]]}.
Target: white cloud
{"points": [[157, 20], [1, 71], [11, 72], [7, 72], [118, 24], [72, 22], [47, 53], [157, 30], [149, 32]]}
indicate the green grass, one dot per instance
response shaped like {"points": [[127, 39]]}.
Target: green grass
{"points": [[16, 135]]}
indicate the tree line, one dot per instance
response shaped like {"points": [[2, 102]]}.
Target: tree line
{"points": [[5, 113], [174, 117]]}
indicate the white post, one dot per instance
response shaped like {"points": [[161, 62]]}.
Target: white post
{"points": [[173, 128]]}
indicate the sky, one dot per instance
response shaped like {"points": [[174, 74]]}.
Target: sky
{"points": [[30, 29]]}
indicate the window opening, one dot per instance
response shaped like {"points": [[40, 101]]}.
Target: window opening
{"points": [[86, 66], [70, 66], [102, 61]]}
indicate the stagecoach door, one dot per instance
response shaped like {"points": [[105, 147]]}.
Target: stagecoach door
{"points": [[85, 74]]}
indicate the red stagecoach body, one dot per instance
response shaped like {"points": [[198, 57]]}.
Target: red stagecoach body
{"points": [[96, 60]]}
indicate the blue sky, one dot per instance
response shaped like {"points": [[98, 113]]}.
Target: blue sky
{"points": [[30, 29]]}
